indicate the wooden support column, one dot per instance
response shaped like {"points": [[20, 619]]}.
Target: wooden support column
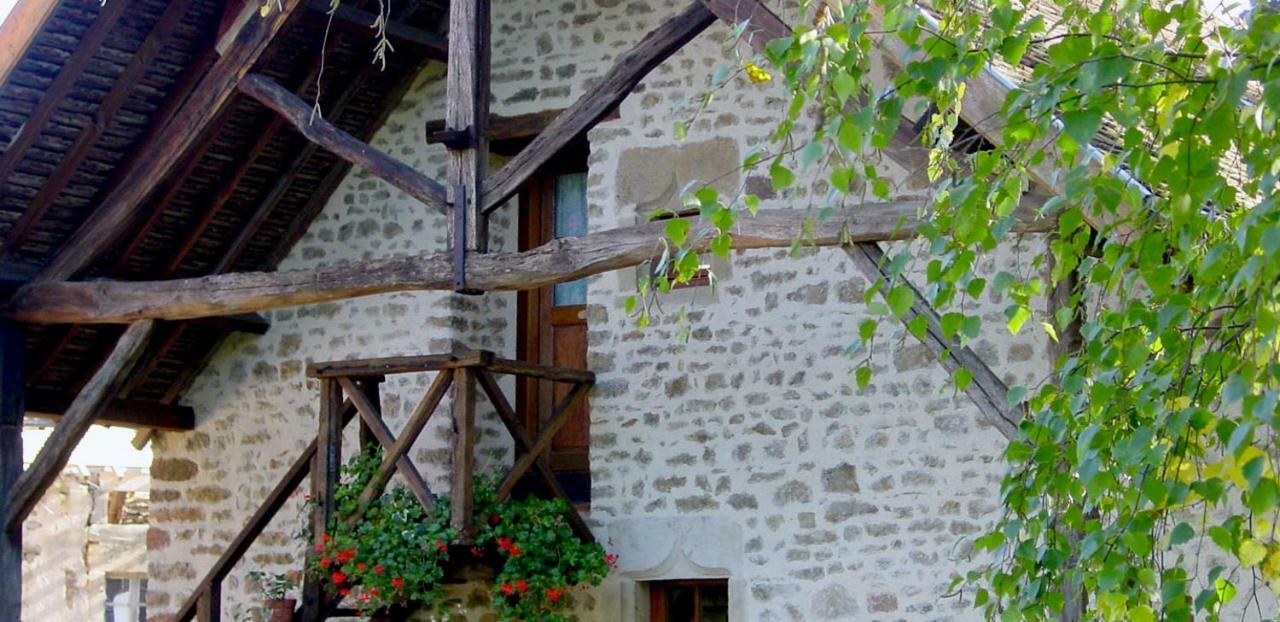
{"points": [[93, 399], [466, 115], [464, 445], [325, 469], [1064, 295], [12, 358], [987, 391]]}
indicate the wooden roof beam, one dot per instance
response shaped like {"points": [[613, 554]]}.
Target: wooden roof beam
{"points": [[627, 71], [342, 144], [125, 413], [558, 261], [121, 208], [358, 20]]}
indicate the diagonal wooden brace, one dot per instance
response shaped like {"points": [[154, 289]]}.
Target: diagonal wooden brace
{"points": [[371, 415], [559, 417], [417, 421], [525, 444]]}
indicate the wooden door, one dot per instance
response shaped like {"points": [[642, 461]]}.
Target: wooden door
{"points": [[552, 329]]}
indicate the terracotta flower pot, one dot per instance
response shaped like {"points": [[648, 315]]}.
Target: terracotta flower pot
{"points": [[280, 609]]}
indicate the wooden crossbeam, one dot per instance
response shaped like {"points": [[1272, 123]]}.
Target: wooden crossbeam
{"points": [[19, 30], [361, 22], [123, 413], [986, 389], [560, 260], [763, 25], [88, 405], [559, 417], [371, 415], [316, 129], [524, 443], [622, 78], [119, 210], [56, 93]]}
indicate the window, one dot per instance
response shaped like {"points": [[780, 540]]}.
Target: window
{"points": [[699, 600], [126, 599], [551, 327]]}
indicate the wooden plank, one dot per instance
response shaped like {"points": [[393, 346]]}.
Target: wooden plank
{"points": [[462, 479], [105, 116], [88, 405], [501, 128], [559, 417], [987, 391], [543, 372], [397, 364], [123, 413], [562, 260], [524, 445], [261, 518], [316, 129], [19, 29], [467, 109], [158, 158], [371, 416], [613, 87], [12, 360], [56, 93], [247, 323], [412, 428]]}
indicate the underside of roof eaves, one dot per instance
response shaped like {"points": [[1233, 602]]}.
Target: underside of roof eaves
{"points": [[213, 213]]}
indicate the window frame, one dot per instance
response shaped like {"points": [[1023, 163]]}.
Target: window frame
{"points": [[658, 592]]}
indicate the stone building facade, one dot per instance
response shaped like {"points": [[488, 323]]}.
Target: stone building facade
{"points": [[743, 453]]}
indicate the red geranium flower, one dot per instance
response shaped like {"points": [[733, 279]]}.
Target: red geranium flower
{"points": [[325, 561], [379, 569], [515, 550], [441, 546], [554, 594], [346, 556], [338, 578], [343, 591], [504, 543], [612, 560], [397, 583], [507, 589], [319, 548], [360, 566], [325, 537], [521, 585]]}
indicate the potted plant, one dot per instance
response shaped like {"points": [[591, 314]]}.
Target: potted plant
{"points": [[274, 588], [395, 553]]}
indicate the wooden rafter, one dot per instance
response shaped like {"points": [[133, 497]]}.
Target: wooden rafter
{"points": [[342, 144], [104, 118], [19, 30], [561, 260], [88, 405], [360, 21], [56, 93], [119, 210], [986, 389], [626, 73]]}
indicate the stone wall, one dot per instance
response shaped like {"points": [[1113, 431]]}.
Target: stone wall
{"points": [[745, 453]]}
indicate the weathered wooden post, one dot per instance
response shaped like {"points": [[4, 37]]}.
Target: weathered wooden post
{"points": [[324, 478], [466, 118], [12, 353]]}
